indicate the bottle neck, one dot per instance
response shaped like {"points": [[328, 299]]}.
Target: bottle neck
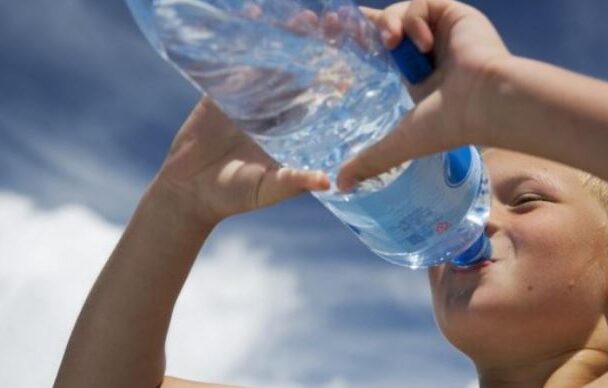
{"points": [[480, 250]]}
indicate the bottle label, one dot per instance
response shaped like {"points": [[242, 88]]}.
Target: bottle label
{"points": [[428, 200]]}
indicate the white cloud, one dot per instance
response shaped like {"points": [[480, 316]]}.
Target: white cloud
{"points": [[50, 258], [241, 317], [232, 299]]}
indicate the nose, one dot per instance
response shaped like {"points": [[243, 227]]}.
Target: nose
{"points": [[491, 228], [496, 218]]}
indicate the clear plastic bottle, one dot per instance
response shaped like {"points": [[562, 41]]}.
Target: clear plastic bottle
{"points": [[311, 82]]}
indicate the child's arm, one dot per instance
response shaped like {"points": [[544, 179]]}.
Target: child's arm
{"points": [[481, 94], [212, 171], [543, 110]]}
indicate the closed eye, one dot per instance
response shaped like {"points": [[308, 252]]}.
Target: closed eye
{"points": [[527, 198]]}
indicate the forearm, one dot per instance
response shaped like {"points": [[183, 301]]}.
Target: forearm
{"points": [[563, 113], [119, 338]]}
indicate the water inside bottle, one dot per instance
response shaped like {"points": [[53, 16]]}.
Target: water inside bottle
{"points": [[336, 99], [312, 113]]}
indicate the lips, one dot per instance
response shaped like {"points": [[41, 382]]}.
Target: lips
{"points": [[473, 268]]}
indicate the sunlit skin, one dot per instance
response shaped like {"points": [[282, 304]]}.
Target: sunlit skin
{"points": [[542, 301]]}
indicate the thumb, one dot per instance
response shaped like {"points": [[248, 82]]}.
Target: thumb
{"points": [[422, 132], [283, 183]]}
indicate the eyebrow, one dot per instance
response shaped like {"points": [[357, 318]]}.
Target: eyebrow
{"points": [[545, 180]]}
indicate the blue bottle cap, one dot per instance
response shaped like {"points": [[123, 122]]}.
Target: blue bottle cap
{"points": [[480, 250], [414, 65]]}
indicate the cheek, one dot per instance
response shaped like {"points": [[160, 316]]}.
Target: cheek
{"points": [[552, 244], [543, 237], [555, 267]]}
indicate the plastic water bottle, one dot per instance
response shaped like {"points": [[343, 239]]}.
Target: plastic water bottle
{"points": [[311, 82]]}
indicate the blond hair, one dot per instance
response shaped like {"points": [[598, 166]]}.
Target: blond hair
{"points": [[597, 187]]}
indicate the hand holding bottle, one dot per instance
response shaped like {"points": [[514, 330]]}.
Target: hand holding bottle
{"points": [[218, 171], [465, 45]]}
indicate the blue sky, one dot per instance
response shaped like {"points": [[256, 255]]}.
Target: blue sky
{"points": [[284, 296]]}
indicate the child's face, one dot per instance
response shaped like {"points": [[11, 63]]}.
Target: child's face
{"points": [[547, 289]]}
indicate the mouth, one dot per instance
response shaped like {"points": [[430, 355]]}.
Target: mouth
{"points": [[475, 268]]}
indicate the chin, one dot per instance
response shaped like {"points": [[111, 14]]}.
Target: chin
{"points": [[473, 313], [489, 328], [480, 335]]}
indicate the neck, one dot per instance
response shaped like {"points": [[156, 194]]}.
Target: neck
{"points": [[570, 369]]}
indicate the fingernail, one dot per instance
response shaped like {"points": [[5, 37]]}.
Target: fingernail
{"points": [[419, 45]]}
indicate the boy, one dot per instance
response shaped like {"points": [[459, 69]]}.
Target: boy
{"points": [[534, 315]]}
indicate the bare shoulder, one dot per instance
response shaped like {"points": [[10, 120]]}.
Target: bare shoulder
{"points": [[172, 382]]}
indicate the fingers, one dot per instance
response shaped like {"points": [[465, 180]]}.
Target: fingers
{"points": [[414, 19], [327, 25], [390, 24], [332, 29], [334, 26], [280, 184], [372, 14], [206, 109], [416, 24], [303, 180], [305, 22], [206, 120], [421, 133]]}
